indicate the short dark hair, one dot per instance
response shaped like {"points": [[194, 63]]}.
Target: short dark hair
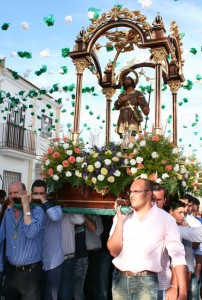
{"points": [[2, 194], [174, 203], [39, 183], [159, 187]]}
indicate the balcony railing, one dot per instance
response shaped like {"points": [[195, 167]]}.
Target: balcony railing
{"points": [[17, 138]]}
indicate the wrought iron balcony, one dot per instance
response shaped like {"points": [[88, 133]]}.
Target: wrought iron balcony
{"points": [[17, 138]]}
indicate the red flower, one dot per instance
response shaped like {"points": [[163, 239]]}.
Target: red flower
{"points": [[55, 155], [65, 139], [57, 139], [169, 168], [43, 175], [50, 172], [50, 150], [155, 138], [77, 150], [65, 163], [45, 158], [71, 159]]}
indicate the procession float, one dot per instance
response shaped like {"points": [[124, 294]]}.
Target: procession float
{"points": [[92, 179]]}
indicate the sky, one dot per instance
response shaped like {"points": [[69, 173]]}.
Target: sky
{"points": [[39, 37]]}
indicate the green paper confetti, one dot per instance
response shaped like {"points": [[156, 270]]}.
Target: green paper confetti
{"points": [[182, 34], [49, 20], [5, 26], [163, 106], [24, 54], [65, 52], [95, 11], [198, 77], [64, 69], [185, 100], [193, 51]]}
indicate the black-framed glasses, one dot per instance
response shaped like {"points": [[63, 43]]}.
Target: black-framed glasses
{"points": [[137, 192]]}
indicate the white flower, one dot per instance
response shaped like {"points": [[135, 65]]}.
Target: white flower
{"points": [[94, 180], [135, 151], [143, 176], [68, 174], [59, 168], [175, 150], [100, 177], [142, 143], [69, 152], [132, 162], [97, 164], [66, 146], [154, 154], [107, 162], [126, 161], [158, 180], [176, 168], [84, 164], [115, 158], [164, 176], [92, 152], [55, 177], [139, 160], [117, 173], [130, 146], [78, 159], [74, 143], [56, 144], [91, 15], [118, 154], [183, 170], [133, 170], [78, 174], [95, 155], [184, 183], [47, 162]]}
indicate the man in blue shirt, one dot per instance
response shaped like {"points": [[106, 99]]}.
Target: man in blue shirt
{"points": [[22, 228], [53, 255]]}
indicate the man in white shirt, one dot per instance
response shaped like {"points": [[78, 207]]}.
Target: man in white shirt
{"points": [[137, 241]]}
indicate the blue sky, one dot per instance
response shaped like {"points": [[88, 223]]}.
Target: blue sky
{"points": [[39, 37]]}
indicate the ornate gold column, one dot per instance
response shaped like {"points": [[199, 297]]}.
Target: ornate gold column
{"points": [[80, 64], [158, 55], [174, 87], [109, 92]]}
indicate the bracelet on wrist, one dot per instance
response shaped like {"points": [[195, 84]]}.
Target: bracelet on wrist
{"points": [[174, 286]]}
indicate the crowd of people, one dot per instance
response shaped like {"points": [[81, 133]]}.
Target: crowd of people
{"points": [[154, 251]]}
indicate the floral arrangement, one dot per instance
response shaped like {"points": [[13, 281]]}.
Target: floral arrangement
{"points": [[111, 168]]}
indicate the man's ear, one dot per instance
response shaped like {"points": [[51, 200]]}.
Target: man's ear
{"points": [[171, 212]]}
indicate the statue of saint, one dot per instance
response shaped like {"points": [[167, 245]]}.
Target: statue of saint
{"points": [[129, 102]]}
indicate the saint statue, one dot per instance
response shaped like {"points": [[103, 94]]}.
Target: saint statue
{"points": [[129, 103]]}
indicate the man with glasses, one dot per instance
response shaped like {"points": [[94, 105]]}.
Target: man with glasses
{"points": [[137, 241]]}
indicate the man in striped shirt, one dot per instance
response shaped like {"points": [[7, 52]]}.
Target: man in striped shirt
{"points": [[22, 228]]}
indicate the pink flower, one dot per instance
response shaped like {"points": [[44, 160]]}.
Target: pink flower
{"points": [[50, 172], [164, 162], [50, 150], [65, 163], [57, 139], [128, 171], [140, 166], [55, 155], [155, 138], [153, 177], [71, 159], [169, 168], [77, 150], [45, 158], [43, 175], [65, 139]]}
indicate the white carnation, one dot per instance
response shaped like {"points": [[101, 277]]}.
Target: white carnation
{"points": [[139, 160], [69, 152], [184, 183], [97, 164], [176, 168], [55, 177], [68, 174], [130, 146], [132, 162], [47, 162], [66, 146], [107, 162], [154, 154], [133, 170], [164, 176], [158, 180], [118, 154], [142, 144], [78, 159], [100, 177], [56, 144], [175, 150], [143, 176], [59, 168], [126, 161], [117, 173]]}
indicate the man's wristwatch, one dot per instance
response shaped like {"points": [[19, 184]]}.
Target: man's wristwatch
{"points": [[27, 213]]}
